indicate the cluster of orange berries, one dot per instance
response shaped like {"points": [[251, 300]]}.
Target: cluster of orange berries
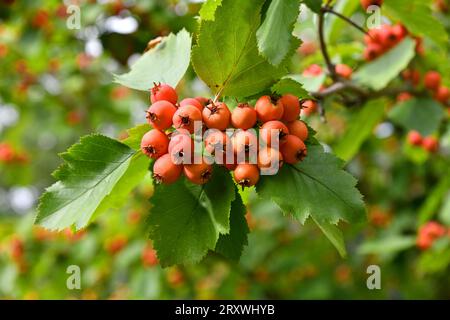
{"points": [[430, 232], [8, 155], [230, 139], [380, 40], [430, 143]]}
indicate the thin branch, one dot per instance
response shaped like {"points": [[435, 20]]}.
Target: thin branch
{"points": [[348, 20], [323, 46]]}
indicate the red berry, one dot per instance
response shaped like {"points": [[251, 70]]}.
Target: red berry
{"points": [[442, 94], [400, 31], [165, 171], [412, 76], [308, 107], [163, 92], [404, 96], [203, 101], [181, 148], [372, 51], [291, 106], [244, 142], [149, 258], [154, 143], [298, 128], [185, 118], [243, 116], [428, 233], [160, 114], [269, 161], [216, 140], [367, 3], [344, 71], [313, 71], [414, 138], [293, 150], [388, 37], [246, 175], [273, 129], [216, 115], [6, 152], [430, 144], [198, 173], [191, 102], [267, 110], [432, 80]]}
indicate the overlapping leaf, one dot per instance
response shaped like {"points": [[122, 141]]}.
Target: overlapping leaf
{"points": [[166, 63], [187, 220], [96, 174]]}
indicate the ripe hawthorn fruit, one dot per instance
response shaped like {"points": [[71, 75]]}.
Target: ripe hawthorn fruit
{"points": [[181, 148], [191, 102], [270, 160], [165, 171], [185, 117], [432, 80], [308, 107], [442, 94], [344, 71], [268, 109], [430, 144], [244, 141], [160, 114], [216, 115], [246, 175], [293, 150], [298, 128], [243, 116], [273, 127], [367, 3], [203, 101], [162, 91], [291, 106], [154, 143], [404, 96], [198, 173], [414, 138], [217, 141]]}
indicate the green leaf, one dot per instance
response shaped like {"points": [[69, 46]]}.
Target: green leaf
{"points": [[390, 245], [444, 213], [378, 73], [434, 199], [275, 33], [334, 234], [226, 56], [208, 9], [97, 172], [186, 220], [314, 5], [361, 127], [135, 136], [231, 245], [423, 115], [166, 63], [317, 187], [418, 18], [289, 85], [310, 83], [334, 25]]}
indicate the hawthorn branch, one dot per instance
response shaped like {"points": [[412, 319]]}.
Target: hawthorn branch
{"points": [[323, 45], [346, 19]]}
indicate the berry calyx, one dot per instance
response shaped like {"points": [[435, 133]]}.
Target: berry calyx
{"points": [[216, 115], [432, 80], [198, 173], [191, 102], [160, 114], [181, 148], [154, 143], [165, 171], [274, 129], [162, 91], [216, 141], [246, 175], [185, 117], [243, 116], [268, 109], [291, 106], [244, 141], [293, 150], [298, 128], [414, 138]]}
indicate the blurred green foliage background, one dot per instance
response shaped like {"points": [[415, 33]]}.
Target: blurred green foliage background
{"points": [[56, 85]]}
